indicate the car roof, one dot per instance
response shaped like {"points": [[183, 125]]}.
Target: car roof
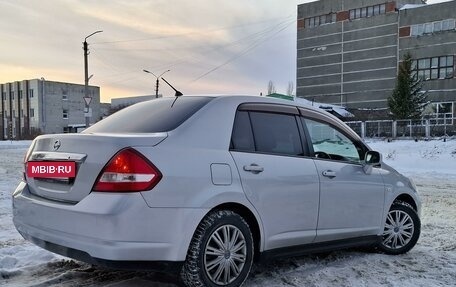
{"points": [[270, 100], [258, 99], [314, 111]]}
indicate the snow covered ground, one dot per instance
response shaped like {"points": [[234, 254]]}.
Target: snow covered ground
{"points": [[432, 262]]}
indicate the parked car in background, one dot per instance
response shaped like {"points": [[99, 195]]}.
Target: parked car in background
{"points": [[207, 185]]}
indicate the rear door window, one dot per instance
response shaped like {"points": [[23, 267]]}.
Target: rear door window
{"points": [[276, 133], [265, 132]]}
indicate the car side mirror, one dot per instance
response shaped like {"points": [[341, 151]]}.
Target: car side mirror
{"points": [[371, 159]]}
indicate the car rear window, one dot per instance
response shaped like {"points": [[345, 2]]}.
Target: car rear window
{"points": [[159, 115]]}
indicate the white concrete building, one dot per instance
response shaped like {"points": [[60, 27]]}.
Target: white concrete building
{"points": [[32, 107]]}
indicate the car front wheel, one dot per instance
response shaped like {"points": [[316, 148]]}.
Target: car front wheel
{"points": [[220, 253], [401, 230]]}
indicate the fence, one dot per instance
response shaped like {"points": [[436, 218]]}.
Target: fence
{"points": [[425, 128]]}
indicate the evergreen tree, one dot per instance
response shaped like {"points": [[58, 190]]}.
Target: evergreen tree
{"points": [[407, 100]]}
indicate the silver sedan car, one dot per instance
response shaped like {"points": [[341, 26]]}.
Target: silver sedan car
{"points": [[204, 186]]}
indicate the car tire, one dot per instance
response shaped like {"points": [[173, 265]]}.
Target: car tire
{"points": [[401, 230], [220, 253]]}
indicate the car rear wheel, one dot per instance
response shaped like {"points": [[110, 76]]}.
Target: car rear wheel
{"points": [[220, 253], [401, 230]]}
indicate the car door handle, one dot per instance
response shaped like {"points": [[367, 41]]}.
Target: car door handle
{"points": [[253, 168], [329, 173]]}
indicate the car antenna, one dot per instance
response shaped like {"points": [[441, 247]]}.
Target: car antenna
{"points": [[177, 94]]}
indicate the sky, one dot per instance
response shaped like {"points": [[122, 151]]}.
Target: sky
{"points": [[209, 46]]}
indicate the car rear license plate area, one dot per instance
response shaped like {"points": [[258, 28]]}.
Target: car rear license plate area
{"points": [[52, 170]]}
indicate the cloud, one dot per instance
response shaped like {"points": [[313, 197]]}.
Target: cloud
{"points": [[234, 45]]}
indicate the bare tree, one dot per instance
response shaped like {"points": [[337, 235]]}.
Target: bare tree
{"points": [[290, 88], [271, 88]]}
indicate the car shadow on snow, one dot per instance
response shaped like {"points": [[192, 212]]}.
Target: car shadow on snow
{"points": [[68, 273]]}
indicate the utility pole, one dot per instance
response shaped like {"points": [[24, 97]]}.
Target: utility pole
{"points": [[87, 98], [157, 81]]}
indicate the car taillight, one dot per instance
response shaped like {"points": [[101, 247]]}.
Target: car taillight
{"points": [[128, 171]]}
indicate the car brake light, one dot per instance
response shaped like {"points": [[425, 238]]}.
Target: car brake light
{"points": [[128, 171]]}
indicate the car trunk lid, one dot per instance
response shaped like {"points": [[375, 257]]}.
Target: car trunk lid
{"points": [[89, 152]]}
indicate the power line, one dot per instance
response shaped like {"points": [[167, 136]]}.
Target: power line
{"points": [[251, 41], [245, 51], [191, 33]]}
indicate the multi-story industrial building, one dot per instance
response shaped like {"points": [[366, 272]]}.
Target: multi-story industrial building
{"points": [[38, 106], [348, 51]]}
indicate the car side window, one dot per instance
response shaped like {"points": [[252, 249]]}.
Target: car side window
{"points": [[276, 133], [329, 143], [242, 137]]}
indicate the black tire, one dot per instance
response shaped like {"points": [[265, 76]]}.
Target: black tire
{"points": [[401, 230], [199, 268]]}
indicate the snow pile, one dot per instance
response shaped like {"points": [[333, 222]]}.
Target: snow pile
{"points": [[418, 159], [431, 263]]}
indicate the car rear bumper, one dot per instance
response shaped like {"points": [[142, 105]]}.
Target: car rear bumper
{"points": [[167, 266], [106, 227]]}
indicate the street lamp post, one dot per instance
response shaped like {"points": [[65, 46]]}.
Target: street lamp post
{"points": [[87, 98], [157, 81]]}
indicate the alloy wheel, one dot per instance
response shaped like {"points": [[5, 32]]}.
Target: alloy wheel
{"points": [[399, 229], [225, 255]]}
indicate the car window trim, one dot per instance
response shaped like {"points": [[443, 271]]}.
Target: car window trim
{"points": [[269, 108], [307, 140], [304, 137]]}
